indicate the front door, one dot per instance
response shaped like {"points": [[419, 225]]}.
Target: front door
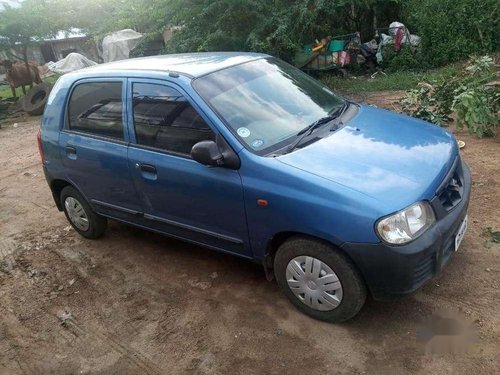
{"points": [[93, 144], [180, 196]]}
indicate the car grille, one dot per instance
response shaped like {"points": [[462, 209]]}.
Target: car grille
{"points": [[424, 269], [451, 191]]}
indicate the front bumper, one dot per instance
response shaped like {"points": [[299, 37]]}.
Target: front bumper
{"points": [[392, 271]]}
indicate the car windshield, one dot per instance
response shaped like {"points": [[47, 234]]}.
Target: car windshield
{"points": [[266, 102]]}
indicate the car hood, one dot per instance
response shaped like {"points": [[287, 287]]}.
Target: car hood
{"points": [[390, 157]]}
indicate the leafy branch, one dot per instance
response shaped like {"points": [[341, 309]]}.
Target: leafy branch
{"points": [[473, 95]]}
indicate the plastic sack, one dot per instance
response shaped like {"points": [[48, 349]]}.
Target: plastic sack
{"points": [[372, 44], [344, 58], [385, 39], [415, 40], [394, 27], [335, 57]]}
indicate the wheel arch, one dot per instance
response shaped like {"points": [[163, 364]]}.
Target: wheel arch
{"points": [[56, 186], [280, 238]]}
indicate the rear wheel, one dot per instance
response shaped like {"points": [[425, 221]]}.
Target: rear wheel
{"points": [[319, 280], [80, 215]]}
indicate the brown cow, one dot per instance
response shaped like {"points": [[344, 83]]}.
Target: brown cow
{"points": [[17, 75]]}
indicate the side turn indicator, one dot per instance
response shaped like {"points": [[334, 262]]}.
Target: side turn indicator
{"points": [[262, 202]]}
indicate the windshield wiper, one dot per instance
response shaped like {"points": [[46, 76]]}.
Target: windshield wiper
{"points": [[339, 112], [317, 124], [308, 131]]}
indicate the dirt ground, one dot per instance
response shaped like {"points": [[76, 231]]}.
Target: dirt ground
{"points": [[135, 302]]}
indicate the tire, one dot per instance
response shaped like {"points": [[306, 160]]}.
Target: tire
{"points": [[351, 295], [72, 200], [33, 103], [341, 72]]}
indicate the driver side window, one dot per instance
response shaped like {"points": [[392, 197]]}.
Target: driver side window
{"points": [[165, 120]]}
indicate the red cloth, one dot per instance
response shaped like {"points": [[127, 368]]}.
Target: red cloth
{"points": [[399, 39]]}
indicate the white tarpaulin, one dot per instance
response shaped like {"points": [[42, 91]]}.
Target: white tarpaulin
{"points": [[117, 46], [73, 61]]}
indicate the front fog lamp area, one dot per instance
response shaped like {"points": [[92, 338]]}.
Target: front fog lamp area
{"points": [[406, 225]]}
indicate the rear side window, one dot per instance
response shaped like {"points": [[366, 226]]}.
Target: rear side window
{"points": [[96, 108], [164, 119]]}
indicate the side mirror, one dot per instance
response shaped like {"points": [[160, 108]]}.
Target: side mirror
{"points": [[207, 153], [215, 154]]}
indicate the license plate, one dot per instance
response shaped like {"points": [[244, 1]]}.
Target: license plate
{"points": [[460, 234]]}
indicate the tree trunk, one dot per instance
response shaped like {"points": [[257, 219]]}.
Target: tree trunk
{"points": [[480, 36], [353, 14]]}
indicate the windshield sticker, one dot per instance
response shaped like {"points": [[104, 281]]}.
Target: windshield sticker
{"points": [[243, 132], [257, 143]]}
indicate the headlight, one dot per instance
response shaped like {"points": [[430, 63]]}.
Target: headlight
{"points": [[406, 225]]}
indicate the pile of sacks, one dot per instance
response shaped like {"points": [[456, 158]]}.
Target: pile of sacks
{"points": [[398, 35]]}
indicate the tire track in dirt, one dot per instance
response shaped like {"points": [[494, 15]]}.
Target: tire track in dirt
{"points": [[478, 307], [87, 333], [129, 327], [22, 169], [7, 257], [73, 333], [141, 304], [17, 335]]}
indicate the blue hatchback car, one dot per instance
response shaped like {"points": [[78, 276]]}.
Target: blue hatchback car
{"points": [[245, 154]]}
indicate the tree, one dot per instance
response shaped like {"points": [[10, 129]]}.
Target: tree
{"points": [[279, 27], [25, 25], [451, 30]]}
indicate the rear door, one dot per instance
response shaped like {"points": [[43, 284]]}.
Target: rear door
{"points": [[94, 146], [180, 196]]}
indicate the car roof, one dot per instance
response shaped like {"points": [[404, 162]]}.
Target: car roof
{"points": [[189, 64]]}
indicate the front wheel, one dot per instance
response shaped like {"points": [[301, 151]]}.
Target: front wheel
{"points": [[80, 215], [319, 280]]}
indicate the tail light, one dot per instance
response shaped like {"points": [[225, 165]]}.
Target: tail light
{"points": [[39, 141]]}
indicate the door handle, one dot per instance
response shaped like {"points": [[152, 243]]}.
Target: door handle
{"points": [[70, 150], [147, 168]]}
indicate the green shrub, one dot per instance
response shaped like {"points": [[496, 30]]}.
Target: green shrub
{"points": [[473, 94], [406, 59], [452, 30], [276, 27]]}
